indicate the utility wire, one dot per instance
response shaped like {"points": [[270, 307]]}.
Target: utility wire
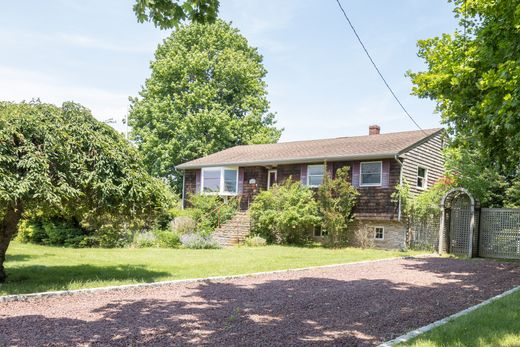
{"points": [[377, 69]]}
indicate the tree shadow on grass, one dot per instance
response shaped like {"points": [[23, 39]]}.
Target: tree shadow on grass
{"points": [[39, 278], [331, 309], [20, 257]]}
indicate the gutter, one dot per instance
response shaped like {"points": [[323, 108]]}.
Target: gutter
{"points": [[396, 157]]}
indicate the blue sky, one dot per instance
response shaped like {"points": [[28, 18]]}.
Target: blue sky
{"points": [[320, 82]]}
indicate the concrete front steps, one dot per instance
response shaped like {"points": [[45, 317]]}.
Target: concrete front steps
{"points": [[233, 231]]}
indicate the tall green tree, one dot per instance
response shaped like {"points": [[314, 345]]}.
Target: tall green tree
{"points": [[167, 14], [61, 159], [473, 75], [206, 93]]}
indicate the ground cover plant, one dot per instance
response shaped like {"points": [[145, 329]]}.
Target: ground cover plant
{"points": [[35, 268], [496, 324]]}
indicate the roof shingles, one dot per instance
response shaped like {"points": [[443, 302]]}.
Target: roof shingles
{"points": [[341, 148]]}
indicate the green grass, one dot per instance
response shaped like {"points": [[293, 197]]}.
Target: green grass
{"points": [[32, 268], [496, 324]]}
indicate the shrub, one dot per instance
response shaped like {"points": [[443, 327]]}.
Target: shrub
{"points": [[51, 231], [255, 241], [144, 240], [111, 236], [209, 210], [166, 239], [30, 230], [364, 236], [285, 214], [197, 241], [183, 225], [156, 238], [337, 198]]}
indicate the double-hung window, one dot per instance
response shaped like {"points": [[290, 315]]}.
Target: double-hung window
{"points": [[315, 175], [422, 180], [220, 180], [370, 173]]}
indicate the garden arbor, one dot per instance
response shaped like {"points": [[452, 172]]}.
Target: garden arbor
{"points": [[458, 232]]}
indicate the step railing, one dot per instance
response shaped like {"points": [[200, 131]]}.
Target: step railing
{"points": [[219, 208]]}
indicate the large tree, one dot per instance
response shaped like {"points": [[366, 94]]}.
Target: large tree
{"points": [[473, 75], [61, 159], [168, 14], [206, 93]]}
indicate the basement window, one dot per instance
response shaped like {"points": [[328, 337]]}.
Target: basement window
{"points": [[319, 231], [379, 233]]}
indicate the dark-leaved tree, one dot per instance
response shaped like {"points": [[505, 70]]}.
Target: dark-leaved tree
{"points": [[56, 159], [167, 14]]}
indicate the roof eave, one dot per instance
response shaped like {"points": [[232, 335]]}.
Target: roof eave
{"points": [[386, 155]]}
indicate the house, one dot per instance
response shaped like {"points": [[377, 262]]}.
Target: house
{"points": [[378, 163]]}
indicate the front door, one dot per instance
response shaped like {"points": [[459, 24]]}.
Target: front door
{"points": [[271, 178]]}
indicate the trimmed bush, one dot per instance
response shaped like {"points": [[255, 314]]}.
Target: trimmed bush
{"points": [[255, 241], [285, 214], [197, 241]]}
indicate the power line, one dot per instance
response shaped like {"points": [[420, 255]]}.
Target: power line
{"points": [[377, 69]]}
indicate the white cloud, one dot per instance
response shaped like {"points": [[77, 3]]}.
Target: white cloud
{"points": [[19, 84], [74, 40]]}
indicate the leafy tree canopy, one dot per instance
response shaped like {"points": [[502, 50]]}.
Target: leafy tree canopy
{"points": [[206, 93], [473, 76], [167, 14], [62, 159]]}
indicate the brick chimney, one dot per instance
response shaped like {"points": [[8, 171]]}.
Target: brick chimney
{"points": [[374, 130]]}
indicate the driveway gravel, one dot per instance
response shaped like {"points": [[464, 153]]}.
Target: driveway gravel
{"points": [[353, 305]]}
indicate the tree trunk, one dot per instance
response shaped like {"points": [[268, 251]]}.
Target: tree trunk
{"points": [[8, 227]]}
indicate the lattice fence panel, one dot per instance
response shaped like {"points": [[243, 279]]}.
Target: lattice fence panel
{"points": [[460, 226], [425, 233], [500, 233]]}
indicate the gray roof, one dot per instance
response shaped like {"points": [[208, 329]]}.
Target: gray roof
{"points": [[342, 148]]}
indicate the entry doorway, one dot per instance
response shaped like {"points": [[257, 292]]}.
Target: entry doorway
{"points": [[272, 176]]}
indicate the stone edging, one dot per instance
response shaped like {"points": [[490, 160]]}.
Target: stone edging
{"points": [[414, 333], [25, 297]]}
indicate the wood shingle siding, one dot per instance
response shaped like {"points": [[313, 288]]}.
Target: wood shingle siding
{"points": [[427, 154], [376, 202]]}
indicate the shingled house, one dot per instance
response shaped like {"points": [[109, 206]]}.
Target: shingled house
{"points": [[378, 163]]}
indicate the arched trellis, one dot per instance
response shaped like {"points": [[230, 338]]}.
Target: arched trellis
{"points": [[458, 231]]}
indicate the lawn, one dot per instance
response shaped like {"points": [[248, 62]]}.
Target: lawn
{"points": [[496, 324], [32, 268]]}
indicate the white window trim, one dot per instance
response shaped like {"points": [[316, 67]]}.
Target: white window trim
{"points": [[361, 184], [269, 183], [221, 192], [425, 179], [381, 239], [309, 176]]}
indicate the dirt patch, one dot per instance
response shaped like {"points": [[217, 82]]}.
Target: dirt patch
{"points": [[353, 305]]}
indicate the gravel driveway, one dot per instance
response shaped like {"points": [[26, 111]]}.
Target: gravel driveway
{"points": [[354, 305]]}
